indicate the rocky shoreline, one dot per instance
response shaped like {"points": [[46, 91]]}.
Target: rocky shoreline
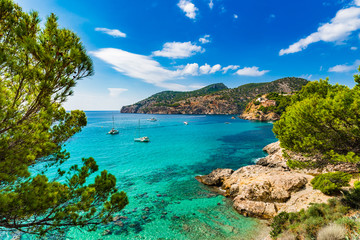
{"points": [[267, 188]]}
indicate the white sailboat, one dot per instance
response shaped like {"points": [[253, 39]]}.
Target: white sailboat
{"points": [[141, 139], [152, 119], [113, 131]]}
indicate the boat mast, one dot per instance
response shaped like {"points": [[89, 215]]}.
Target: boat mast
{"points": [[139, 128]]}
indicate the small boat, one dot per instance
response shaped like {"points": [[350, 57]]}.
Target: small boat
{"points": [[186, 123], [227, 123], [113, 131], [152, 119], [141, 139]]}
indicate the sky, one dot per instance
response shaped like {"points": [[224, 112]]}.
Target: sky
{"points": [[141, 47]]}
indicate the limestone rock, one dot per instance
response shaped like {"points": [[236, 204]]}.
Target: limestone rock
{"points": [[255, 208], [216, 177]]}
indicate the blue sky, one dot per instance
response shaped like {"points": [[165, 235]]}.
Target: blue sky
{"points": [[141, 47]]}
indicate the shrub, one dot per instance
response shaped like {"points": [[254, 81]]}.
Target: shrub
{"points": [[332, 232], [307, 223], [330, 183], [294, 164], [352, 198], [357, 184], [278, 224]]}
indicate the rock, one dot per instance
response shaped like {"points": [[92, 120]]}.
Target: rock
{"points": [[255, 208], [158, 195], [106, 232], [144, 217], [147, 209], [275, 158], [272, 147], [216, 177], [174, 217], [343, 167], [269, 187], [119, 223]]}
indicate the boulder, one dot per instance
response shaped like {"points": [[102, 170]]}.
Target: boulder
{"points": [[216, 177], [255, 208]]}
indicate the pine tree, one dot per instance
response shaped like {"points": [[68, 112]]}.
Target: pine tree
{"points": [[38, 69]]}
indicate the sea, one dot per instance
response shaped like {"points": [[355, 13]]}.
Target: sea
{"points": [[165, 199]]}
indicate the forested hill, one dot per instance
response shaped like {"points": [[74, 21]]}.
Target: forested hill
{"points": [[213, 99]]}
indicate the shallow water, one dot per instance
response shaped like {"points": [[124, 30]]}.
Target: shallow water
{"points": [[166, 202]]}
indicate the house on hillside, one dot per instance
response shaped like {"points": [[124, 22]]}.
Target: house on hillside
{"points": [[261, 99]]}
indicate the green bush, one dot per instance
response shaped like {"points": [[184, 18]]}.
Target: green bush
{"points": [[294, 164], [279, 224], [357, 185], [352, 198], [307, 223], [330, 183]]}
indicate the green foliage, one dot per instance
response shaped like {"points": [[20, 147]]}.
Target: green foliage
{"points": [[307, 223], [38, 70], [330, 183], [278, 224], [323, 119], [357, 185], [352, 198], [294, 164]]}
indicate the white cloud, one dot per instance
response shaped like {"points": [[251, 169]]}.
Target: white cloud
{"points": [[338, 29], [211, 4], [111, 32], [139, 66], [357, 2], [205, 69], [188, 8], [205, 39], [114, 92], [251, 71], [215, 68], [178, 50], [190, 69], [230, 67], [236, 16], [354, 48], [344, 67]]}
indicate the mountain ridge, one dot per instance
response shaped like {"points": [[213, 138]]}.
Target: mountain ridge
{"points": [[212, 99]]}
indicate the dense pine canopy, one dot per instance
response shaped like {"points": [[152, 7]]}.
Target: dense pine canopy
{"points": [[38, 69], [324, 120]]}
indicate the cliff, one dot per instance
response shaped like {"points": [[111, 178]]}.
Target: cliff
{"points": [[253, 110], [213, 99]]}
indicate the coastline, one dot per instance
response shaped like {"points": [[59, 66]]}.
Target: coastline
{"points": [[266, 188]]}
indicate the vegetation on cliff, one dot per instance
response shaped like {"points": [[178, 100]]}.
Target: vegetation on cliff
{"points": [[213, 99], [324, 120], [38, 69], [322, 123]]}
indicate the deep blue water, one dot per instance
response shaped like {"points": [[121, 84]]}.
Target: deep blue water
{"points": [[166, 202]]}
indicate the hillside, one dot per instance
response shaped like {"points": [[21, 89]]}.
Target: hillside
{"points": [[213, 99], [268, 107]]}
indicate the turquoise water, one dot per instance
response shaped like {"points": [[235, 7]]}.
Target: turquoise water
{"points": [[166, 202]]}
